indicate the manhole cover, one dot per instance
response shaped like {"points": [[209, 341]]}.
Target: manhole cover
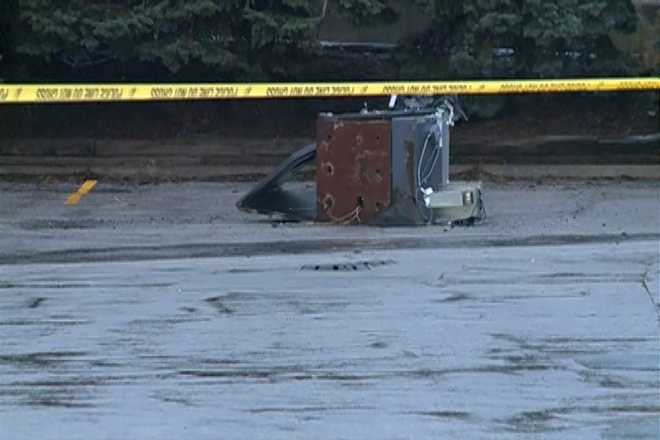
{"points": [[347, 267]]}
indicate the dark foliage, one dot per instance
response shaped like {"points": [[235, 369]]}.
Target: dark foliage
{"points": [[214, 40]]}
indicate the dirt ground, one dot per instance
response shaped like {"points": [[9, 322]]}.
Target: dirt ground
{"points": [[519, 117]]}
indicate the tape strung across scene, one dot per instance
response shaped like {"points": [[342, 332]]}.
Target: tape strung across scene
{"points": [[58, 93]]}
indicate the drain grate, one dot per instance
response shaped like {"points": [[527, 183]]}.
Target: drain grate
{"points": [[347, 267]]}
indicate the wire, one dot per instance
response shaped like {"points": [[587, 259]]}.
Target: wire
{"points": [[437, 132], [349, 218], [483, 215], [437, 154], [421, 160]]}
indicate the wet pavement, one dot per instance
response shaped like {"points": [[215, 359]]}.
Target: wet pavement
{"points": [[140, 314]]}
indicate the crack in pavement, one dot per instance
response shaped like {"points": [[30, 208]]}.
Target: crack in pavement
{"points": [[645, 286]]}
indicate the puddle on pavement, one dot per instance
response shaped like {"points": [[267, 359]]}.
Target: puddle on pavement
{"points": [[41, 359], [570, 279], [36, 302], [43, 322], [68, 286], [486, 369], [632, 428], [561, 418], [295, 374], [217, 302], [347, 266], [306, 409], [621, 361], [243, 270], [449, 415], [173, 397], [165, 321], [605, 380], [454, 297], [289, 374], [234, 374], [55, 400], [536, 421]]}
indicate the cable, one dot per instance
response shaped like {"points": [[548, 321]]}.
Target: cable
{"points": [[421, 160], [437, 132], [437, 154], [482, 210], [346, 219]]}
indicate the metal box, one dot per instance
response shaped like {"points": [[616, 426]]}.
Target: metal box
{"points": [[378, 168], [373, 167]]}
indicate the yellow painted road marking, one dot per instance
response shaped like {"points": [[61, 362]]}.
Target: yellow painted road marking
{"points": [[53, 93], [84, 189], [87, 187]]}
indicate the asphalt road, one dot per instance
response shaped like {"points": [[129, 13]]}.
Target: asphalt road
{"points": [[159, 312]]}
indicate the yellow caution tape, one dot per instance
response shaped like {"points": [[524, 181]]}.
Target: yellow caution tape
{"points": [[84, 189], [52, 93]]}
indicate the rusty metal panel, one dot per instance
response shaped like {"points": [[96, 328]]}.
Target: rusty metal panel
{"points": [[353, 169]]}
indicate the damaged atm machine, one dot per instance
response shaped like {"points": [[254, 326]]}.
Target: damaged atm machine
{"points": [[375, 168]]}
